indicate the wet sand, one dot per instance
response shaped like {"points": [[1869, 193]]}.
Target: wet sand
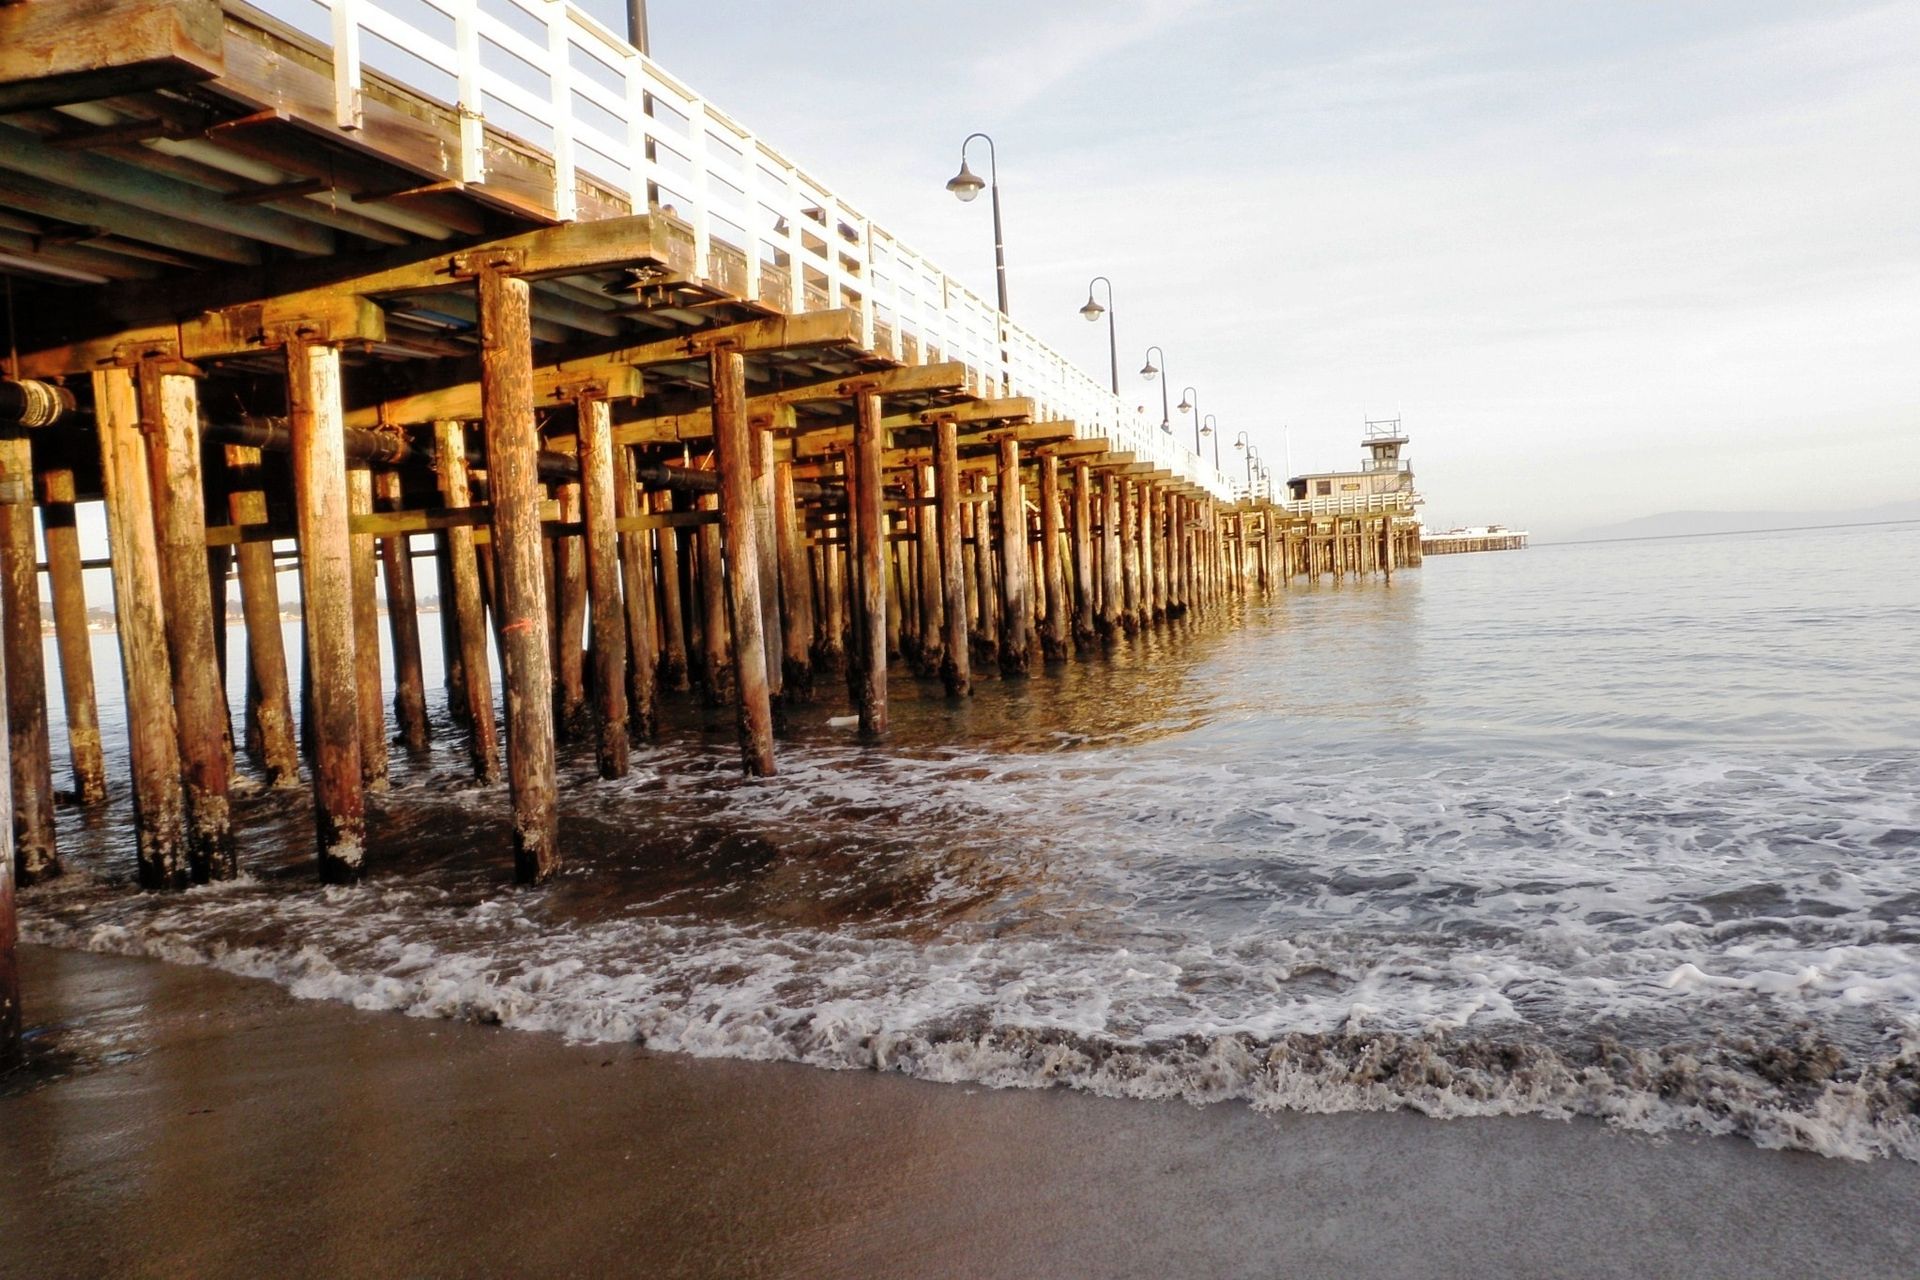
{"points": [[213, 1126]]}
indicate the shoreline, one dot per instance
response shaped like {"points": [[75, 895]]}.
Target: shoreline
{"points": [[215, 1125]]}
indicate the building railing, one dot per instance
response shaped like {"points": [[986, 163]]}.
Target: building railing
{"points": [[554, 77], [1350, 504]]}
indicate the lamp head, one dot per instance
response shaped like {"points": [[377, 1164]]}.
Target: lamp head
{"points": [[1148, 371], [1183, 406], [1206, 431], [1093, 310], [1241, 443], [965, 184]]}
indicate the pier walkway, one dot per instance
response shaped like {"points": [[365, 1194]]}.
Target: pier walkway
{"points": [[360, 282]]}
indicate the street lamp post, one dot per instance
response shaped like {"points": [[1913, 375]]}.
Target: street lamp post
{"points": [[1092, 311], [1241, 443], [1190, 401], [966, 185], [1150, 371]]}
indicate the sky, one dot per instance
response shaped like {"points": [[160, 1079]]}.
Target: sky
{"points": [[1603, 260]]}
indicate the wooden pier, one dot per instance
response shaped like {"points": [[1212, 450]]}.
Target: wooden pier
{"points": [[666, 416], [1460, 541]]}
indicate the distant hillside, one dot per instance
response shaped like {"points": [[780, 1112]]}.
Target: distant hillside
{"points": [[1681, 524]]}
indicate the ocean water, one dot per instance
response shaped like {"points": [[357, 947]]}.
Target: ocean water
{"points": [[1625, 830]]}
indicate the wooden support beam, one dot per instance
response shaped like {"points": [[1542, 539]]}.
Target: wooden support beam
{"points": [[956, 663], [372, 708], [716, 668], [179, 239], [673, 625], [830, 645], [637, 596], [617, 370], [1016, 639], [270, 702], [1112, 588], [569, 617], [927, 560], [1149, 605], [403, 621], [796, 589], [597, 489], [1007, 410], [869, 661], [470, 622], [326, 589], [215, 334], [766, 544], [170, 407], [551, 385], [1054, 640], [986, 587], [9, 923], [513, 485], [675, 428], [152, 43], [153, 739], [1129, 524], [67, 585], [30, 750], [733, 456], [1086, 590], [106, 178]]}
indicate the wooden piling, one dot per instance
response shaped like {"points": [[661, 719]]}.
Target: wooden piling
{"points": [[715, 662], [890, 571], [594, 443], [956, 663], [637, 582], [1086, 589], [1112, 587], [470, 618], [368, 679], [1149, 594], [986, 642], [30, 750], [66, 583], [170, 412], [830, 645], [452, 661], [326, 588], [1052, 566], [9, 920], [569, 615], [673, 623], [1127, 526], [1016, 645], [513, 485], [929, 557], [739, 530], [869, 560], [403, 621], [766, 542], [1153, 551], [269, 700], [796, 588]]}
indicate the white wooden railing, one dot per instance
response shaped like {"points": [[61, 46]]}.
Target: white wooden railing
{"points": [[1351, 504], [552, 76]]}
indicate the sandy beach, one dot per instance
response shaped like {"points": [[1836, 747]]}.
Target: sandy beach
{"points": [[182, 1122]]}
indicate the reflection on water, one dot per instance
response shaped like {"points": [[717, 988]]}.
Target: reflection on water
{"points": [[1626, 830]]}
